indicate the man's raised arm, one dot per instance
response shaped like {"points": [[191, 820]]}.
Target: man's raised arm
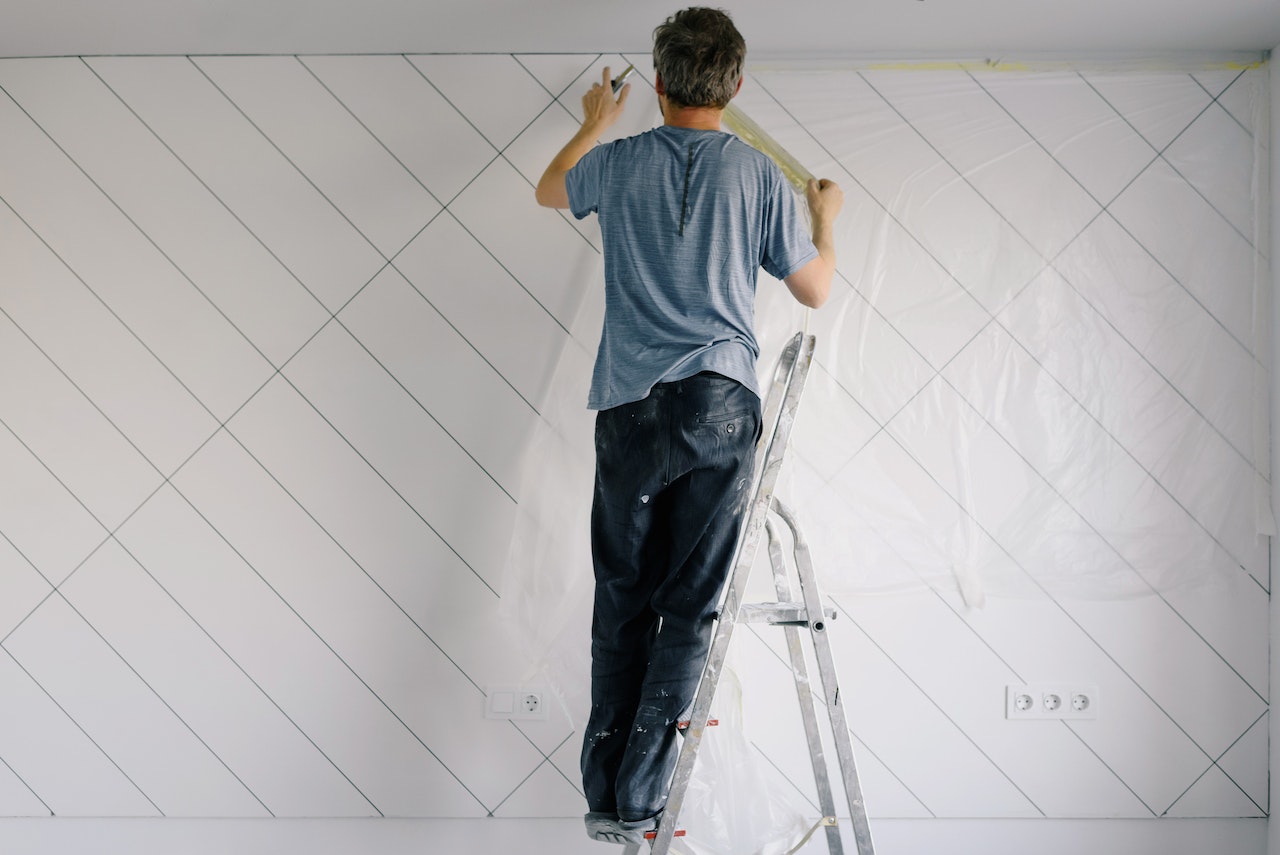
{"points": [[600, 110], [812, 283]]}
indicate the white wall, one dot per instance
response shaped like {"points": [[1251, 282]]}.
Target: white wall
{"points": [[1273, 831], [284, 325]]}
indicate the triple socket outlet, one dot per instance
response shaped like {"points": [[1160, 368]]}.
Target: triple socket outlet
{"points": [[1053, 701]]}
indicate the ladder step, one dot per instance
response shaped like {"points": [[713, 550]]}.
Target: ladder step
{"points": [[684, 725], [650, 835], [779, 614]]}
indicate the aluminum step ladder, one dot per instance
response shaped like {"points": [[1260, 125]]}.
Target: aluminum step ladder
{"points": [[793, 615]]}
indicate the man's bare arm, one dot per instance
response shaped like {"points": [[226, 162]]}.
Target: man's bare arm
{"points": [[600, 110], [811, 284]]}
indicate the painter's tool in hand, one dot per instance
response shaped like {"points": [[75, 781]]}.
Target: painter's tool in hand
{"points": [[753, 135], [622, 78]]}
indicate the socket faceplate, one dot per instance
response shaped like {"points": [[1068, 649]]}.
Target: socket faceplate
{"points": [[515, 703], [1063, 701]]}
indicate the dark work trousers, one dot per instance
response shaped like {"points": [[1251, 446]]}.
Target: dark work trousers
{"points": [[673, 475]]}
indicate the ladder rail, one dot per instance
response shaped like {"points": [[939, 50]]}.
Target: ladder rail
{"points": [[779, 416], [841, 735], [804, 694]]}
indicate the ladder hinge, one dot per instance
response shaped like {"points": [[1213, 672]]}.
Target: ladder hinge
{"points": [[779, 614]]}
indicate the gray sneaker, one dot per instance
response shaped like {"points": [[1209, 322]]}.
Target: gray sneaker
{"points": [[607, 828], [641, 826]]}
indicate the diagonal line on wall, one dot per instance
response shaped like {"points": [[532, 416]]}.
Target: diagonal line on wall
{"points": [[821, 701], [959, 174], [565, 215], [73, 383], [463, 338], [795, 787], [963, 510], [87, 736], [1013, 671], [1262, 811], [61, 484], [370, 132], [428, 412], [166, 704], [464, 116], [515, 278], [557, 95], [1253, 466], [211, 192], [575, 784], [36, 608], [1155, 591], [906, 231], [1160, 155], [286, 157], [1213, 102], [938, 706], [356, 562], [1217, 763], [108, 308], [247, 675], [852, 452], [1224, 91], [937, 375], [386, 481], [417, 738], [139, 228], [963, 177], [15, 774], [1107, 766], [388, 261], [1059, 605], [1053, 263], [502, 155], [1093, 418], [523, 781], [1014, 337], [1051, 599], [546, 760]]}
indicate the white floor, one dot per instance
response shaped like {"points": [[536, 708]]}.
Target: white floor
{"points": [[565, 837]]}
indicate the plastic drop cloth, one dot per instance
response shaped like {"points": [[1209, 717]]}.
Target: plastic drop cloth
{"points": [[1044, 367]]}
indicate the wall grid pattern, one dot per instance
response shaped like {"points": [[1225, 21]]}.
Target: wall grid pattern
{"points": [[273, 330]]}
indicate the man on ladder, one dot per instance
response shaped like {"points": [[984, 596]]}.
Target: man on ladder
{"points": [[688, 214]]}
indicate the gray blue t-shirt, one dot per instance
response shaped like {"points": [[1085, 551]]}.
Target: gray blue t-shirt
{"points": [[688, 218]]}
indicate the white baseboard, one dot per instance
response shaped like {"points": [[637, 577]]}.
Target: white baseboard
{"points": [[65, 836]]}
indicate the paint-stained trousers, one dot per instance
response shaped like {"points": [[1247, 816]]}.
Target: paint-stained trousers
{"points": [[673, 476]]}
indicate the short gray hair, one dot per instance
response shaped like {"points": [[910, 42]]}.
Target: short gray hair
{"points": [[699, 54]]}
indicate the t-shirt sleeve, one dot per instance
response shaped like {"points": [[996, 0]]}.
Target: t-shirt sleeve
{"points": [[787, 243], [584, 180]]}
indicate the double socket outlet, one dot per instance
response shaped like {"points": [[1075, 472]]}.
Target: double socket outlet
{"points": [[515, 703], [1051, 701]]}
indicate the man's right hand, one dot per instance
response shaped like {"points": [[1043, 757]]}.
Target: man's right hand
{"points": [[600, 108]]}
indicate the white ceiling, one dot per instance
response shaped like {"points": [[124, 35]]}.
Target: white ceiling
{"points": [[774, 29]]}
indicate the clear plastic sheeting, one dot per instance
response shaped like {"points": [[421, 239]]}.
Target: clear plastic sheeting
{"points": [[1044, 367], [735, 802]]}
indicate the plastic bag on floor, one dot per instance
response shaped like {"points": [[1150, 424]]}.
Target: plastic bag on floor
{"points": [[738, 804]]}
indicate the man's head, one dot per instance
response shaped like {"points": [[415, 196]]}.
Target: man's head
{"points": [[698, 54]]}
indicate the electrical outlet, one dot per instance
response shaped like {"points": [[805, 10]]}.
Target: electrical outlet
{"points": [[515, 703], [1051, 702]]}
